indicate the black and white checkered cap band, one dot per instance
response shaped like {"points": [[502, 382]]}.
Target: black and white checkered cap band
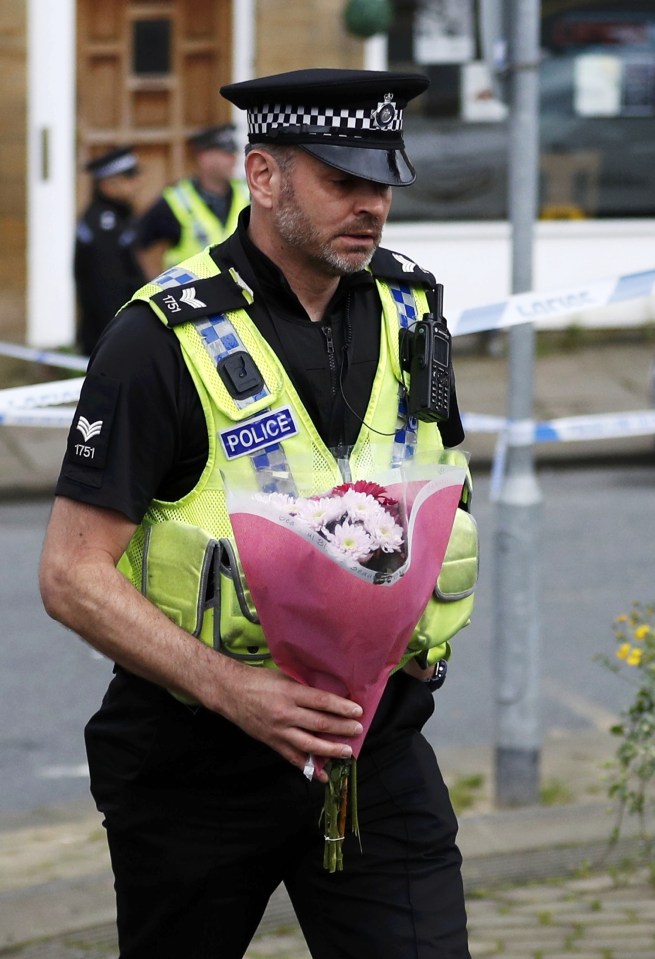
{"points": [[120, 165], [325, 120]]}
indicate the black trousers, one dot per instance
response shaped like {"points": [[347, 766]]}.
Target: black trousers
{"points": [[203, 823]]}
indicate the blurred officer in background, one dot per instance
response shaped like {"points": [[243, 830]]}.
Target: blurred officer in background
{"points": [[195, 211], [106, 268]]}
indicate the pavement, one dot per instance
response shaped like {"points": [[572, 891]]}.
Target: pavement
{"points": [[542, 881]]}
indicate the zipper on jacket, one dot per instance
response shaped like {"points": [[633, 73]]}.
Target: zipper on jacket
{"points": [[340, 452], [332, 361]]}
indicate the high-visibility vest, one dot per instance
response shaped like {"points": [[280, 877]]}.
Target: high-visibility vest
{"points": [[199, 226], [183, 555]]}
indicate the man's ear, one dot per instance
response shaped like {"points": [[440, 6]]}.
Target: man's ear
{"points": [[260, 170]]}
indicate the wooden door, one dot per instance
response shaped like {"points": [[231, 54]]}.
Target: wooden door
{"points": [[149, 72]]}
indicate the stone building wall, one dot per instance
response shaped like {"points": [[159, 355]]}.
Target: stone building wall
{"points": [[13, 212], [292, 35]]}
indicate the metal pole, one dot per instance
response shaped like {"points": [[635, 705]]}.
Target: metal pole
{"points": [[516, 633]]}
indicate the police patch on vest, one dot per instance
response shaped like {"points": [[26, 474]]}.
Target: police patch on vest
{"points": [[258, 433]]}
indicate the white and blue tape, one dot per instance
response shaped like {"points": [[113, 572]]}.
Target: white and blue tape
{"points": [[532, 307], [544, 309], [32, 398], [567, 429], [64, 361], [56, 417], [32, 405]]}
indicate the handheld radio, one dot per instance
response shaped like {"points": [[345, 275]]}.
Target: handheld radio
{"points": [[425, 354]]}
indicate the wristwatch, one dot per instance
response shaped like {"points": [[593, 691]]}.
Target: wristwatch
{"points": [[438, 677]]}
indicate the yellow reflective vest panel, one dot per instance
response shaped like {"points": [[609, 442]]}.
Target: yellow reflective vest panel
{"points": [[183, 556], [199, 226]]}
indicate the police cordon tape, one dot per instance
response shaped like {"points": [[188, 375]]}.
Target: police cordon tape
{"points": [[28, 405], [515, 310], [23, 400], [32, 406], [544, 309], [597, 426], [64, 361]]}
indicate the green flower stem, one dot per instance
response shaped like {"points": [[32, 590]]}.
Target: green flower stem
{"points": [[340, 796]]}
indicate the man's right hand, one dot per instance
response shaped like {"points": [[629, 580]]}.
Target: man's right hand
{"points": [[82, 589], [291, 718]]}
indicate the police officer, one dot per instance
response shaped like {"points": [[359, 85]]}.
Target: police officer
{"points": [[197, 210], [106, 268], [197, 752]]}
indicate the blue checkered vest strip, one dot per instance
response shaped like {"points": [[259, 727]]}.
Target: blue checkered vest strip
{"points": [[175, 276], [404, 444], [220, 338], [270, 464]]}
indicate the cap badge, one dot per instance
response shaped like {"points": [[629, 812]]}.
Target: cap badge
{"points": [[385, 113]]}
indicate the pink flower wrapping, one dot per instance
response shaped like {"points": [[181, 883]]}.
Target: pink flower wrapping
{"points": [[327, 626], [336, 624]]}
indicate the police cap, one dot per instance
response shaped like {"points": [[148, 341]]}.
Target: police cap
{"points": [[215, 138], [349, 119], [118, 162]]}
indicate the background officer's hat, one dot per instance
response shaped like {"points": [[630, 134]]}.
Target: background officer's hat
{"points": [[118, 162], [349, 119], [218, 137]]}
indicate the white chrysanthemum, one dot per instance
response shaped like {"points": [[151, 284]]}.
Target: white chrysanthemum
{"points": [[361, 506], [280, 501], [352, 540], [317, 513], [386, 534]]}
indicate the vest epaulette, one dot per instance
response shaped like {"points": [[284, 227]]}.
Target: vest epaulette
{"points": [[198, 298], [396, 267]]}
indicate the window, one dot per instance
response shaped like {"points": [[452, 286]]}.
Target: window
{"points": [[151, 47], [597, 111]]}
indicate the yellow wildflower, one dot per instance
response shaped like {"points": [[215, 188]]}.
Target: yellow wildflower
{"points": [[634, 657], [642, 632], [624, 651]]}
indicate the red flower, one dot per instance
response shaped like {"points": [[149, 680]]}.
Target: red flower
{"points": [[378, 492]]}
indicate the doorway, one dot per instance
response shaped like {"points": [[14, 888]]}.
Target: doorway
{"points": [[148, 74]]}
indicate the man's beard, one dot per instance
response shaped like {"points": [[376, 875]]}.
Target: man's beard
{"points": [[298, 232]]}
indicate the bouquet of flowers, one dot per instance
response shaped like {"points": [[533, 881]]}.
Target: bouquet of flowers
{"points": [[357, 524], [339, 581]]}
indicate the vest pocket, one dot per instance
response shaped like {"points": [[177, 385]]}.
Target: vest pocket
{"points": [[459, 572], [197, 581], [179, 576], [239, 632], [451, 603]]}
